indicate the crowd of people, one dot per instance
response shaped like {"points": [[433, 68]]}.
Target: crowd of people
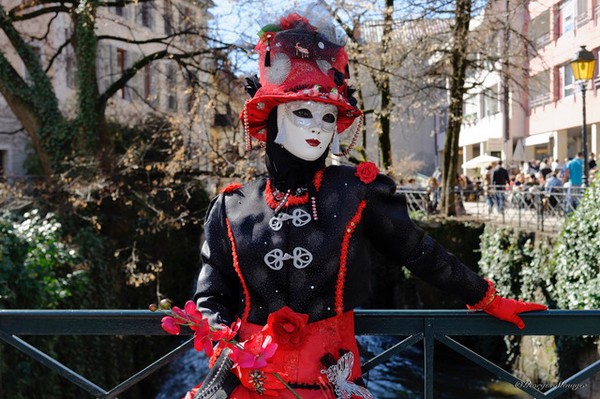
{"points": [[561, 182]]}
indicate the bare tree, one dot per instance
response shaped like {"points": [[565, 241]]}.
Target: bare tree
{"points": [[33, 99]]}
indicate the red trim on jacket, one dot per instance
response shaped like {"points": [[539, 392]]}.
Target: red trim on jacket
{"points": [[292, 200], [490, 295], [339, 288], [236, 266]]}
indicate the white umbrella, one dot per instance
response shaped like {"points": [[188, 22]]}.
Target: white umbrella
{"points": [[480, 161], [519, 154]]}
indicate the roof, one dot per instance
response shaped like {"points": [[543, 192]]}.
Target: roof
{"points": [[406, 30]]}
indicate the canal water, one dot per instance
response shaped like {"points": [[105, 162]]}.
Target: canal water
{"points": [[400, 377]]}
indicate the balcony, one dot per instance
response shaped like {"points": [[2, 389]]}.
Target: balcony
{"points": [[419, 327]]}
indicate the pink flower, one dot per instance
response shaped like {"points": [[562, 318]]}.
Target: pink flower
{"points": [[255, 353], [225, 333], [202, 342], [170, 325], [195, 319], [366, 172], [178, 313]]}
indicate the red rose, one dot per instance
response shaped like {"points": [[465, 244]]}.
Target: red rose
{"points": [[286, 327], [295, 21], [366, 172]]}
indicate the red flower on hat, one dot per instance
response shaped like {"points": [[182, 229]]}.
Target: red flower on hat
{"points": [[294, 21], [286, 327], [366, 172]]}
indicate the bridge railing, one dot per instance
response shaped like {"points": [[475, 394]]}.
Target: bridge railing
{"points": [[520, 207], [418, 326]]}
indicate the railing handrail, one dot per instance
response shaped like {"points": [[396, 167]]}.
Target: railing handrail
{"points": [[428, 326], [385, 322]]}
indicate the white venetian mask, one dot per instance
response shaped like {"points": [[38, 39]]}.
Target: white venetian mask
{"points": [[306, 128]]}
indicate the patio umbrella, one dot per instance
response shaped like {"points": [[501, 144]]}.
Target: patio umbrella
{"points": [[519, 154], [480, 161]]}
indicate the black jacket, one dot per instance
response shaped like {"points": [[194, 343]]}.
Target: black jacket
{"points": [[324, 256]]}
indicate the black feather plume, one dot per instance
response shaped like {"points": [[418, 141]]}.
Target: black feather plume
{"points": [[252, 85]]}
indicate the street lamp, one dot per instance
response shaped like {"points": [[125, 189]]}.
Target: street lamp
{"points": [[583, 70]]}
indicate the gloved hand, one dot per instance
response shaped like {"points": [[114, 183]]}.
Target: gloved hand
{"points": [[504, 308], [508, 309]]}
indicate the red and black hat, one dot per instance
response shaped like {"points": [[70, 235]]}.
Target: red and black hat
{"points": [[300, 62]]}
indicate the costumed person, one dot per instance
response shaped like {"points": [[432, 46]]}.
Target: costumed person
{"points": [[288, 254]]}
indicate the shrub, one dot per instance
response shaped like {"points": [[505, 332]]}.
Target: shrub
{"points": [[37, 268], [576, 262]]}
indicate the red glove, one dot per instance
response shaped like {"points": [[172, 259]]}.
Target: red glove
{"points": [[504, 308], [508, 309]]}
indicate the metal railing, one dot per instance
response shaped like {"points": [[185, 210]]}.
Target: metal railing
{"points": [[417, 326], [530, 207]]}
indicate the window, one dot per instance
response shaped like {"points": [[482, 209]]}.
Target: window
{"points": [[566, 17], [596, 78], [2, 158], [121, 67], [539, 30], [171, 88], [582, 15], [168, 17], [187, 18], [539, 89], [121, 11], [146, 14], [566, 81], [148, 87], [490, 101], [192, 85], [471, 107], [573, 14]]}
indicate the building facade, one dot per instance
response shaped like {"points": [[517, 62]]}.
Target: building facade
{"points": [[126, 35], [542, 115]]}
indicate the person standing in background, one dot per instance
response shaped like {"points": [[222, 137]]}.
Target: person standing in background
{"points": [[574, 178], [500, 182]]}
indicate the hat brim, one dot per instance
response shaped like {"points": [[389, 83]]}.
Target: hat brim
{"points": [[256, 111]]}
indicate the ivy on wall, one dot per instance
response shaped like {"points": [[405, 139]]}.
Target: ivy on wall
{"points": [[561, 271], [565, 270], [576, 260]]}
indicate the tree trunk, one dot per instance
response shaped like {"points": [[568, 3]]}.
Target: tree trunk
{"points": [[33, 102], [92, 135], [455, 112], [385, 145]]}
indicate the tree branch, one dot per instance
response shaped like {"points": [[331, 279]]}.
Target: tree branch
{"points": [[49, 27], [147, 41], [37, 13], [31, 62], [12, 132], [130, 72], [57, 53], [127, 75]]}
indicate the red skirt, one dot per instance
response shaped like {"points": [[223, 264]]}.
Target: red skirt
{"points": [[324, 365]]}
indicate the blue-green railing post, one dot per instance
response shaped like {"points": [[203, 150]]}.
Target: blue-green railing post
{"points": [[428, 348]]}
